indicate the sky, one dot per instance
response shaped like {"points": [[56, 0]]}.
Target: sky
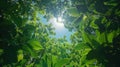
{"points": [[60, 30]]}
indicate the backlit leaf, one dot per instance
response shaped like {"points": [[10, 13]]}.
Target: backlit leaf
{"points": [[73, 12], [61, 62], [35, 44], [20, 55]]}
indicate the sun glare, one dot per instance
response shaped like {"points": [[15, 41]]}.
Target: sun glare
{"points": [[60, 19], [57, 22]]}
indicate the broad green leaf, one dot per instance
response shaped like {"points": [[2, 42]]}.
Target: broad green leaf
{"points": [[86, 51], [93, 25], [54, 59], [73, 12], [84, 17], [81, 46], [35, 44], [78, 46], [82, 60], [90, 63], [61, 62], [85, 37], [110, 36], [93, 61], [29, 51], [100, 37], [20, 55]]}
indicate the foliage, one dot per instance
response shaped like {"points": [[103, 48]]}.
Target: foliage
{"points": [[98, 29], [27, 42]]}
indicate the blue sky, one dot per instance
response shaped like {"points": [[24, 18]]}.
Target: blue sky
{"points": [[60, 31]]}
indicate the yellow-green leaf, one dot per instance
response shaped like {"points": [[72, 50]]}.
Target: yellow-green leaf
{"points": [[20, 55], [35, 44]]}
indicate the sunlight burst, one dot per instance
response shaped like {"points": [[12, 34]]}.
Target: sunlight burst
{"points": [[57, 22], [60, 19]]}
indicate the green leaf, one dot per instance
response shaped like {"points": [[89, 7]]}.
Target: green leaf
{"points": [[85, 37], [93, 25], [110, 36], [35, 44], [82, 60], [29, 51], [86, 51], [100, 37], [30, 65], [73, 12], [54, 59], [1, 51], [20, 55], [61, 62], [81, 46], [93, 61]]}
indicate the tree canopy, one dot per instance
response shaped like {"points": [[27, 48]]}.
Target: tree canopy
{"points": [[25, 41]]}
